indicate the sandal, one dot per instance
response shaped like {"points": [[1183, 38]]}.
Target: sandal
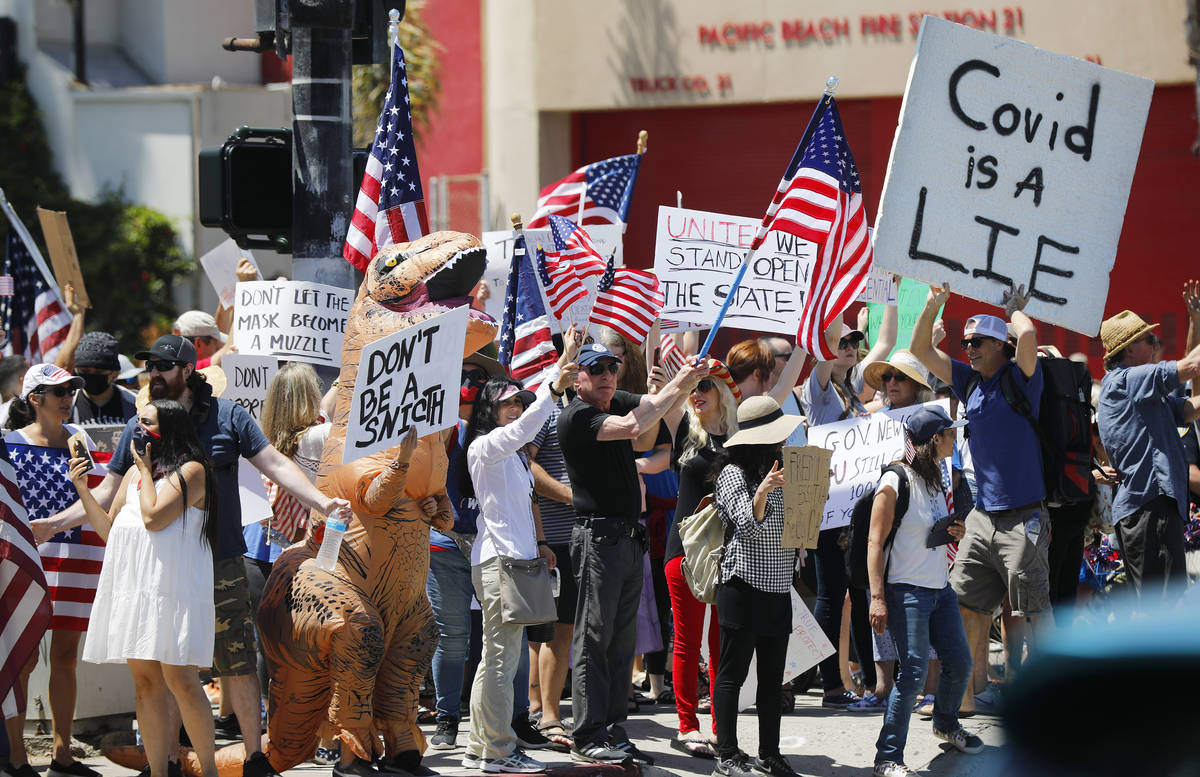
{"points": [[697, 748], [667, 696], [560, 740]]}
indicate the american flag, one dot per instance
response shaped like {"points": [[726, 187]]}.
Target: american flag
{"points": [[34, 317], [671, 356], [562, 285], [606, 188], [628, 301], [6, 285], [526, 345], [819, 199], [26, 611], [574, 245], [391, 205]]}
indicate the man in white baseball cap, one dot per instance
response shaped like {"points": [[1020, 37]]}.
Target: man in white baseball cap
{"points": [[201, 328]]}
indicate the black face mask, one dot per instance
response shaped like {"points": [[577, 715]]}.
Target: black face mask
{"points": [[95, 384]]}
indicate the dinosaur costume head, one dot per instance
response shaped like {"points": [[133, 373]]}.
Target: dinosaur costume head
{"points": [[436, 271]]}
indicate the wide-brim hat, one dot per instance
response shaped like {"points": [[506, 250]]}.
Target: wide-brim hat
{"points": [[212, 373], [901, 360], [493, 368], [762, 422], [1122, 330]]}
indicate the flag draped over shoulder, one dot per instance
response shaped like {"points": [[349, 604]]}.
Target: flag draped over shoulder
{"points": [[25, 607], [606, 188], [526, 344], [34, 318], [391, 204], [819, 199], [562, 285], [628, 301]]}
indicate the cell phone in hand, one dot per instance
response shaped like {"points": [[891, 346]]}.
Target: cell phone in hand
{"points": [[657, 354], [79, 450]]}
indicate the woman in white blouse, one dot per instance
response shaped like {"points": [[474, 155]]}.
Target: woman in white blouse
{"points": [[910, 594], [505, 419]]}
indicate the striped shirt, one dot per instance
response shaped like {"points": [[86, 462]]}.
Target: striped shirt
{"points": [[557, 518], [755, 552]]}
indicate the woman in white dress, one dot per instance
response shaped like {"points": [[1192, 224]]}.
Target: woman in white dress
{"points": [[154, 607]]}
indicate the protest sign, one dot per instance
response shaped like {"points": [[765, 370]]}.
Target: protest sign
{"points": [[697, 255], [246, 380], [880, 288], [296, 320], [807, 647], [63, 258], [861, 448], [805, 489], [910, 301], [220, 265], [253, 494], [407, 378], [1011, 165]]}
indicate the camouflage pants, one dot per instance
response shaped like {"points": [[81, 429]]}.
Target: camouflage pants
{"points": [[234, 652]]}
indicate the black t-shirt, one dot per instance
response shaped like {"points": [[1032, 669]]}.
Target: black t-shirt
{"points": [[1191, 453], [602, 474], [695, 480], [119, 408]]}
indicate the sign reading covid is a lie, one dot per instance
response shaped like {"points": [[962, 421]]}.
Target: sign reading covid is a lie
{"points": [[407, 379], [1012, 165], [698, 254], [861, 448], [295, 320]]}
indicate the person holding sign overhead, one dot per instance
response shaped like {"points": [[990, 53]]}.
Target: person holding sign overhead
{"points": [[504, 420], [1006, 547]]}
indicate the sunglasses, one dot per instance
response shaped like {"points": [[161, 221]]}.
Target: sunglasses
{"points": [[784, 356], [473, 376], [58, 391], [595, 370], [899, 377], [844, 343], [705, 385], [160, 365], [973, 342]]}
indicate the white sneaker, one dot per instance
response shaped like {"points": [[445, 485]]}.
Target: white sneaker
{"points": [[891, 769], [471, 761], [962, 740], [515, 762]]}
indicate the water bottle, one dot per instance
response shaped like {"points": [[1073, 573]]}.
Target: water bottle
{"points": [[327, 556], [557, 584]]}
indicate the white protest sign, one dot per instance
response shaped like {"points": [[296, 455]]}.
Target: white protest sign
{"points": [[1011, 165], [499, 245], [697, 255], [253, 494], [407, 378], [296, 320], [246, 380], [220, 265], [861, 448], [807, 647], [881, 287]]}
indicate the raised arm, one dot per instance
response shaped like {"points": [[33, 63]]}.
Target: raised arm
{"points": [[922, 337], [790, 374], [833, 336], [882, 347], [1015, 301], [1191, 300], [88, 505], [66, 353], [643, 419], [160, 508]]}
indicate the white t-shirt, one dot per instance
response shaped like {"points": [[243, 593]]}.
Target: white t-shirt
{"points": [[911, 561]]}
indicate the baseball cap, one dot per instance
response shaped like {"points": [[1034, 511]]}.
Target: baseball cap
{"points": [[987, 326], [173, 348], [853, 335], [525, 395], [47, 375], [928, 421], [590, 354], [197, 323]]}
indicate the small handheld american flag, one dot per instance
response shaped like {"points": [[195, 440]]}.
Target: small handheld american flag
{"points": [[628, 301], [562, 285], [526, 344], [572, 244]]}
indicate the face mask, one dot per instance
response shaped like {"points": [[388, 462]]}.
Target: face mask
{"points": [[95, 384], [142, 436]]}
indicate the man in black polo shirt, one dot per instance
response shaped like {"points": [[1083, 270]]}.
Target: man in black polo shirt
{"points": [[599, 432]]}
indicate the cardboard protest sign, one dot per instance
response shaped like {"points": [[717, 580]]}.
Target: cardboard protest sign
{"points": [[807, 647], [881, 288], [910, 301], [296, 320], [247, 378], [1011, 165], [407, 378], [63, 258], [861, 447], [805, 489], [697, 256], [220, 265]]}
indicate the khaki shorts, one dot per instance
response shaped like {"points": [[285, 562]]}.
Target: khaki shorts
{"points": [[234, 652], [1004, 552]]}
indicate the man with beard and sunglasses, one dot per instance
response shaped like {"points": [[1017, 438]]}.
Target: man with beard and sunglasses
{"points": [[227, 432], [599, 432]]}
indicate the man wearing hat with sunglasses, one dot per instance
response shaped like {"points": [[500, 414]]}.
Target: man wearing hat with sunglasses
{"points": [[1138, 417], [599, 432], [1006, 547]]}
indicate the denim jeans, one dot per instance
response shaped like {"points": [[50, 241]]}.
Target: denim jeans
{"points": [[917, 618]]}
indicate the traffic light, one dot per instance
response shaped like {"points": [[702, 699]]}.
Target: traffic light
{"points": [[246, 187]]}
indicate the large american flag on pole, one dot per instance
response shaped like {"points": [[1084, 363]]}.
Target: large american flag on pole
{"points": [[605, 187], [34, 318], [391, 205], [562, 285], [628, 301], [526, 343], [25, 607], [819, 199]]}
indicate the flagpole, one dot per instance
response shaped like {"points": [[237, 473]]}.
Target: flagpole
{"points": [[831, 85], [393, 31], [15, 222], [642, 141]]}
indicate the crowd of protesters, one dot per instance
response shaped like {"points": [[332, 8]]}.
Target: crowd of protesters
{"points": [[593, 473]]}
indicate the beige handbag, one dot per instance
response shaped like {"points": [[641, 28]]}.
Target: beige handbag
{"points": [[526, 591], [704, 536]]}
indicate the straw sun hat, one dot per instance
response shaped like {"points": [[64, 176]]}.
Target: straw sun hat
{"points": [[901, 360], [762, 422], [1122, 330]]}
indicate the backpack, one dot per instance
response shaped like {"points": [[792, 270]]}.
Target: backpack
{"points": [[860, 528], [1063, 426]]}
